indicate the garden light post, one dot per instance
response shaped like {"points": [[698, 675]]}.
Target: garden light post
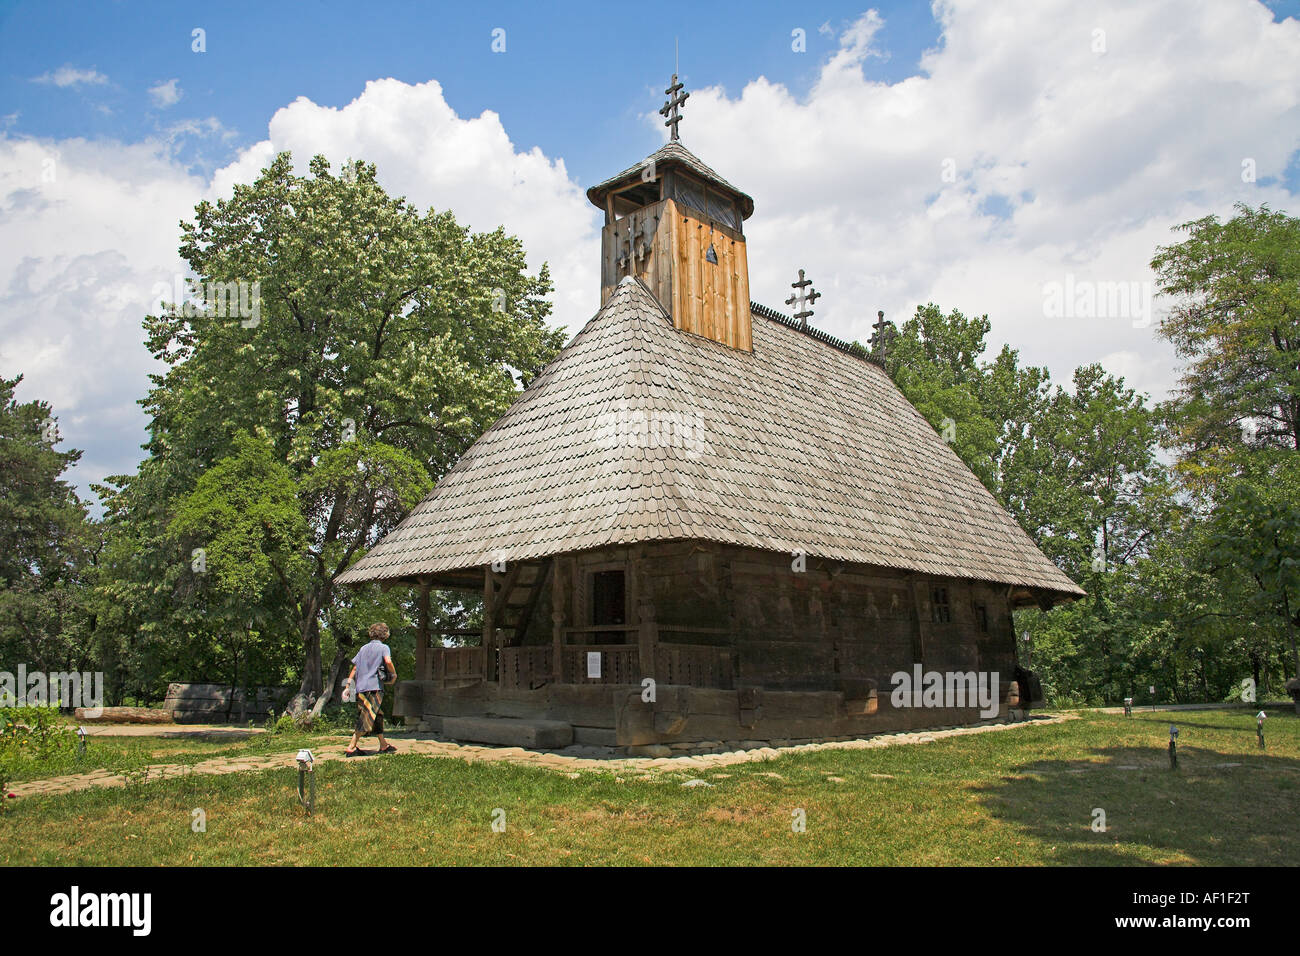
{"points": [[306, 771], [1259, 727], [1173, 747]]}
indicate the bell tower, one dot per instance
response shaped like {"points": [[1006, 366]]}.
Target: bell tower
{"points": [[678, 226]]}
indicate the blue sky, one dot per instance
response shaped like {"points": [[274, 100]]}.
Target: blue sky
{"points": [[572, 82], [979, 155]]}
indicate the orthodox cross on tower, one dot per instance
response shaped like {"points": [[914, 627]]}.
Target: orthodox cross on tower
{"points": [[676, 99], [803, 298]]}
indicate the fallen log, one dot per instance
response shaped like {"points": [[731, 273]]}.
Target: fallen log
{"points": [[122, 715]]}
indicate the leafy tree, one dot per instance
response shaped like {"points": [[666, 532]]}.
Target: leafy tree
{"points": [[1236, 320], [376, 345], [1255, 532], [47, 543], [982, 408]]}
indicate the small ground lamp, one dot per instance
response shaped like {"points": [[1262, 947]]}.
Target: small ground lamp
{"points": [[1173, 747], [81, 742], [1259, 727], [306, 771]]}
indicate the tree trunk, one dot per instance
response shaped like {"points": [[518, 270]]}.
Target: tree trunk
{"points": [[311, 665], [341, 657], [1290, 631]]}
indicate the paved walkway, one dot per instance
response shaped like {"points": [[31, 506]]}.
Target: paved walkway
{"points": [[571, 764], [173, 731], [1226, 705]]}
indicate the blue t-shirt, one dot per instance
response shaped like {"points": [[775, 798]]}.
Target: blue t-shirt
{"points": [[368, 661]]}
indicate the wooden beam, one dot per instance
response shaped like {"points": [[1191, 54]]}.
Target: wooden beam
{"points": [[557, 623], [647, 639], [423, 663], [489, 622], [538, 586], [502, 596]]}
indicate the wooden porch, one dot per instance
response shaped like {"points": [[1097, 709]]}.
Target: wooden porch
{"points": [[584, 649], [530, 668]]}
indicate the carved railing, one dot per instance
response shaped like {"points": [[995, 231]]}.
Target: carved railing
{"points": [[526, 668], [458, 664], [695, 665], [619, 664]]}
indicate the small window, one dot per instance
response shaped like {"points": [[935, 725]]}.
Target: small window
{"points": [[982, 617], [940, 611], [690, 193]]}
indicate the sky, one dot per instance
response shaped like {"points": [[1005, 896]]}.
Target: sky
{"points": [[1016, 158]]}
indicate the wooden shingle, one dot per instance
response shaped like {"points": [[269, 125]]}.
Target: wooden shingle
{"points": [[640, 432]]}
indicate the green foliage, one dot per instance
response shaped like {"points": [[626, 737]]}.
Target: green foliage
{"points": [[31, 736], [1236, 320], [287, 443], [47, 543]]}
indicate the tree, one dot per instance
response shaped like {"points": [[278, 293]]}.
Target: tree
{"points": [[1255, 531], [1236, 319], [47, 543], [982, 408], [371, 347]]}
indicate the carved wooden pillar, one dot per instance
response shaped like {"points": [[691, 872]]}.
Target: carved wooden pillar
{"points": [[557, 621], [920, 618], [647, 639], [489, 624], [423, 670]]}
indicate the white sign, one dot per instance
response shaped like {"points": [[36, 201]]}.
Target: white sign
{"points": [[593, 663]]}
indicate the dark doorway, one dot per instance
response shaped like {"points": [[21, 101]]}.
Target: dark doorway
{"points": [[608, 605]]}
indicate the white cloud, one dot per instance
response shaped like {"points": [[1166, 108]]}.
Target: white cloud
{"points": [[424, 151], [1067, 163], [87, 229], [166, 94], [68, 75], [1093, 157]]}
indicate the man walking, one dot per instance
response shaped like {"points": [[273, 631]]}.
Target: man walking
{"points": [[372, 665]]}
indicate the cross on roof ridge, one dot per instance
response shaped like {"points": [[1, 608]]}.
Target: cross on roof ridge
{"points": [[803, 299]]}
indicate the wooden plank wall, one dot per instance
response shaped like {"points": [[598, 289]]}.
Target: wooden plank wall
{"points": [[811, 630], [703, 298], [707, 299], [650, 225]]}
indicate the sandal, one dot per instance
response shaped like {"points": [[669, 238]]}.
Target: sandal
{"points": [[354, 753], [390, 749]]}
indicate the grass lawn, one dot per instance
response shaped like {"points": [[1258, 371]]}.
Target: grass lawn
{"points": [[1022, 796], [132, 754]]}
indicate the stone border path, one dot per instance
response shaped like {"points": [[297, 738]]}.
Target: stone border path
{"points": [[550, 760]]}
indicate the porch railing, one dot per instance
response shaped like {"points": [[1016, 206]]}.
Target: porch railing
{"points": [[532, 667], [526, 668]]}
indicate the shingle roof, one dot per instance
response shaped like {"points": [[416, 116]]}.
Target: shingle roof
{"points": [[640, 432], [665, 156]]}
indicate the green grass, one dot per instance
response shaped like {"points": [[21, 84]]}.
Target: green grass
{"points": [[122, 754], [1023, 796]]}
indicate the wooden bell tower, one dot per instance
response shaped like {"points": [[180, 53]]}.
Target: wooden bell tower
{"points": [[678, 226]]}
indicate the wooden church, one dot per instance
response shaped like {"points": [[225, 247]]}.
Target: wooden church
{"points": [[706, 522]]}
